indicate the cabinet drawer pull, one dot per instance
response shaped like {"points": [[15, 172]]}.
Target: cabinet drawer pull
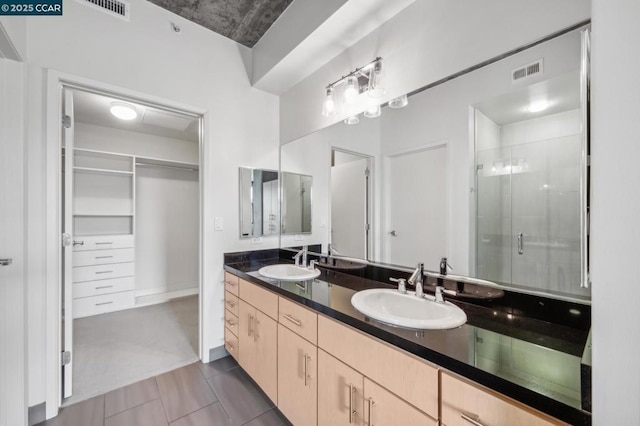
{"points": [[307, 377], [256, 323], [103, 303], [231, 322], [471, 418], [230, 303], [352, 412], [101, 287], [232, 284], [233, 348], [101, 243], [104, 257], [104, 272], [250, 328], [371, 405], [293, 320]]}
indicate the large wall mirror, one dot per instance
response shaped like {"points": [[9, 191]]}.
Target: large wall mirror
{"points": [[259, 202], [487, 169]]}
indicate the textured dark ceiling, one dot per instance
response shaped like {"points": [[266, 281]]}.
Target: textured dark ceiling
{"points": [[244, 21]]}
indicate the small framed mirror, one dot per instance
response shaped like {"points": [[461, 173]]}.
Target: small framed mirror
{"points": [[259, 202], [296, 203]]}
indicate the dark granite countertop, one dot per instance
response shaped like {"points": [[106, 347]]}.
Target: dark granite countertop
{"points": [[530, 360]]}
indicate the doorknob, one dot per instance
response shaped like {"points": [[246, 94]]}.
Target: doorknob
{"points": [[393, 233], [6, 262]]}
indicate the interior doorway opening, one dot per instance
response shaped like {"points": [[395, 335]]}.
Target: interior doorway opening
{"points": [[131, 257]]}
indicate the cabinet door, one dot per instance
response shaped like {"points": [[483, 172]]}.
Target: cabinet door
{"points": [[382, 408], [246, 338], [266, 353], [340, 393], [297, 378], [464, 403]]}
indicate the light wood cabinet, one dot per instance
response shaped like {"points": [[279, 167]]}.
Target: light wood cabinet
{"points": [[231, 283], [465, 403], [382, 408], [257, 341], [297, 378], [340, 393]]}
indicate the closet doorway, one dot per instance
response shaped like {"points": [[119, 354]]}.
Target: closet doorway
{"points": [[131, 241]]}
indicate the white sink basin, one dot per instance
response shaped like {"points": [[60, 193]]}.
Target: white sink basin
{"points": [[407, 310], [287, 272]]}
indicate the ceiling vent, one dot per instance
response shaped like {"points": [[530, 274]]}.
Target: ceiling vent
{"points": [[112, 7], [527, 71]]}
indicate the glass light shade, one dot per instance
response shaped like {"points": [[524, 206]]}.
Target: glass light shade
{"points": [[123, 111], [373, 111], [351, 92], [399, 102], [352, 120], [329, 104], [376, 81]]}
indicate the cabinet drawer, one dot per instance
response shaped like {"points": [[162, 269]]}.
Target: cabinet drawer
{"points": [[260, 298], [103, 272], [231, 283], [231, 343], [231, 303], [231, 321], [461, 398], [103, 242], [98, 287], [410, 378], [101, 257], [102, 304], [382, 408], [298, 319]]}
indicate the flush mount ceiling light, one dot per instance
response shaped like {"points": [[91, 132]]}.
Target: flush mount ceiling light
{"points": [[538, 106], [368, 78], [123, 111]]}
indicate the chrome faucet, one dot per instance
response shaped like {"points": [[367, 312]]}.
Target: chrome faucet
{"points": [[416, 279], [302, 253], [444, 265]]}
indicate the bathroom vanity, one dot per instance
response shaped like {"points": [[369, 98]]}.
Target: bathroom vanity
{"points": [[322, 362]]}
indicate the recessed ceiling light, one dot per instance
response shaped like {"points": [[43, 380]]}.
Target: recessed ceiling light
{"points": [[123, 111], [538, 106]]}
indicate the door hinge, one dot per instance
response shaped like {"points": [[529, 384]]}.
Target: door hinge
{"points": [[66, 239], [66, 121], [66, 358], [367, 172], [367, 227]]}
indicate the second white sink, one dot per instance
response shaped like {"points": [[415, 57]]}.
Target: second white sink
{"points": [[288, 272], [407, 310]]}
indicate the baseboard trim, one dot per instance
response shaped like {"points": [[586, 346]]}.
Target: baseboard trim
{"points": [[37, 413], [146, 298], [217, 353]]}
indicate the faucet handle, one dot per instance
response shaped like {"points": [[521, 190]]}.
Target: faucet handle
{"points": [[402, 284], [312, 264]]}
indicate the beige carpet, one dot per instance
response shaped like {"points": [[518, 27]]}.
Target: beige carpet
{"points": [[116, 349]]}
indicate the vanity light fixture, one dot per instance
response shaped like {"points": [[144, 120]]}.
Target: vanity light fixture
{"points": [[399, 102], [368, 78], [352, 120], [373, 111], [123, 111]]}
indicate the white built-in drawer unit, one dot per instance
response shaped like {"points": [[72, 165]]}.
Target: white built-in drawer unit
{"points": [[103, 242], [103, 274], [94, 305]]}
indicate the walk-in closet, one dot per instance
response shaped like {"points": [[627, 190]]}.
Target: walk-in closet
{"points": [[131, 215]]}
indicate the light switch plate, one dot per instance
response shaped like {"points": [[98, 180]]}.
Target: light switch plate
{"points": [[218, 224]]}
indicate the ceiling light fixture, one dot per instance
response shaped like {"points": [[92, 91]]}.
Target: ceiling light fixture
{"points": [[538, 106], [123, 111], [368, 78]]}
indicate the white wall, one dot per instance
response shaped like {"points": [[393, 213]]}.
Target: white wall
{"points": [[196, 68], [13, 37], [427, 41], [615, 211]]}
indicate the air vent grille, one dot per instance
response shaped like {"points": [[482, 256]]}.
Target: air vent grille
{"points": [[112, 7], [527, 71]]}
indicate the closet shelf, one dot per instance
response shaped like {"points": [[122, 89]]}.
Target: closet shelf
{"points": [[102, 171]]}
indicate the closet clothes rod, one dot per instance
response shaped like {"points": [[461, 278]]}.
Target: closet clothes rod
{"points": [[189, 169]]}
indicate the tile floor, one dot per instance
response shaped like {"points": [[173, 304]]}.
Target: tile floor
{"points": [[216, 394]]}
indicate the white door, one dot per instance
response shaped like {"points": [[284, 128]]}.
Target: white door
{"points": [[418, 207], [349, 208], [13, 404], [67, 250]]}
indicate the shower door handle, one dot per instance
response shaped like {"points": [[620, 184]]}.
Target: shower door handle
{"points": [[520, 243]]}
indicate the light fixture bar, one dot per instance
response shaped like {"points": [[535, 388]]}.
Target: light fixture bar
{"points": [[357, 71]]}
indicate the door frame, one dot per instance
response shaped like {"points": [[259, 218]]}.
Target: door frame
{"points": [[386, 191], [55, 82], [369, 234]]}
